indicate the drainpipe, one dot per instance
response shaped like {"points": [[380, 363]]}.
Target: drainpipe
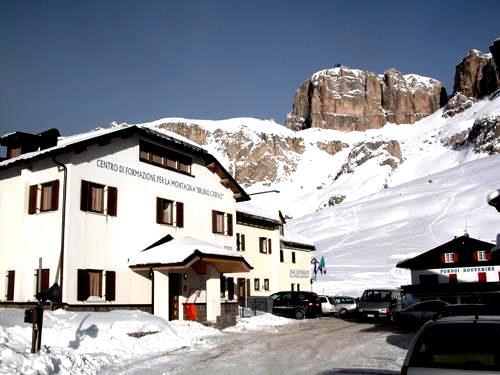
{"points": [[63, 222]]}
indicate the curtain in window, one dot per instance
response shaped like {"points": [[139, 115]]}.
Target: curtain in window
{"points": [[95, 283], [220, 223], [97, 198], [46, 197], [168, 212]]}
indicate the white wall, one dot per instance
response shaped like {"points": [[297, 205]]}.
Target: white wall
{"points": [[464, 274]]}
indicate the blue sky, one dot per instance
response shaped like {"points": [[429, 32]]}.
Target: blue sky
{"points": [[78, 65]]}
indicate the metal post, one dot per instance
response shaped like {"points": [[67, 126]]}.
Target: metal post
{"points": [[39, 276]]}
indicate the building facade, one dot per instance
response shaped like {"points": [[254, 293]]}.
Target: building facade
{"points": [[463, 270], [77, 210]]}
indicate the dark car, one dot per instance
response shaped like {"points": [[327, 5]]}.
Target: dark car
{"points": [[455, 345], [298, 305], [377, 303], [414, 316]]}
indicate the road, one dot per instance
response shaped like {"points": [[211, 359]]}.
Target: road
{"points": [[314, 346]]}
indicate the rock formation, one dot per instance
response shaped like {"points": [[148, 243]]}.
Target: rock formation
{"points": [[349, 99], [475, 75]]}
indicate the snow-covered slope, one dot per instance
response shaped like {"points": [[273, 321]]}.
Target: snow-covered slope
{"points": [[363, 240]]}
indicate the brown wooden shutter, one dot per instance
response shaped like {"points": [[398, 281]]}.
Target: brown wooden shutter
{"points": [[179, 214], [159, 211], [110, 285], [83, 291], [261, 244], [242, 242], [455, 257], [229, 224], [11, 276], [238, 242], [475, 256], [269, 248], [54, 204], [85, 196], [32, 199], [112, 200], [45, 280], [214, 221], [443, 259]]}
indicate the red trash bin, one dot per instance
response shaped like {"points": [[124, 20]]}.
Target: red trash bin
{"points": [[190, 311]]}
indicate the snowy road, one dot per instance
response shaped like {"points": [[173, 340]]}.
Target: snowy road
{"points": [[307, 347]]}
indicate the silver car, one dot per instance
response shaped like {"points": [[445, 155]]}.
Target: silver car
{"points": [[455, 345], [338, 305]]}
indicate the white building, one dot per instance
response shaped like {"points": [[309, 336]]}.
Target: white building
{"points": [[129, 217]]}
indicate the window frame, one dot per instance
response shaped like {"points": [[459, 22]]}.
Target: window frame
{"points": [[266, 284], [40, 200], [227, 223], [256, 284], [108, 201], [106, 284], [166, 158]]}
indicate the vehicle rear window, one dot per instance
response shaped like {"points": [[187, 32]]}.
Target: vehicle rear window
{"points": [[376, 296], [459, 346]]}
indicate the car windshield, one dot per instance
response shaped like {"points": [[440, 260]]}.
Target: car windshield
{"points": [[459, 346], [376, 296], [331, 300]]}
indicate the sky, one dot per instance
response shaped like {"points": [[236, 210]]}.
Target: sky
{"points": [[77, 65]]}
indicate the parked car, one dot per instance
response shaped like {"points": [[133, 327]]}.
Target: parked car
{"points": [[298, 305], [414, 316], [455, 345], [377, 303], [341, 306], [327, 305]]}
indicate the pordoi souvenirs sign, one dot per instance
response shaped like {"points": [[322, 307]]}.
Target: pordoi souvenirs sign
{"points": [[156, 178]]}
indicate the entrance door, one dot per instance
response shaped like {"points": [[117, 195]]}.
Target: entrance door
{"points": [[174, 289], [241, 292]]}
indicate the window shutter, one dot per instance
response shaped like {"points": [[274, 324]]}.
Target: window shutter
{"points": [[442, 258], [214, 221], [83, 291], [159, 211], [238, 242], [455, 257], [11, 276], [180, 214], [269, 248], [110, 285], [55, 195], [32, 199], [261, 244], [85, 195], [112, 200], [230, 288], [229, 224], [45, 280], [475, 256], [242, 242]]}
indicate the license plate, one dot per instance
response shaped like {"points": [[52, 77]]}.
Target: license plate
{"points": [[370, 315]]}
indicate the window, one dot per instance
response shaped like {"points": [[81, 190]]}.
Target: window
{"points": [[240, 242], [282, 256], [481, 277], [265, 245], [43, 197], [98, 198], [13, 152], [90, 284], [222, 223], [293, 256], [449, 258], [298, 287], [222, 286], [266, 284], [293, 287], [165, 158], [482, 256], [43, 278], [452, 278], [230, 288], [11, 276], [256, 284], [169, 212]]}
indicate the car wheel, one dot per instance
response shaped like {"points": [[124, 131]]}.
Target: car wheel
{"points": [[342, 313], [300, 314]]}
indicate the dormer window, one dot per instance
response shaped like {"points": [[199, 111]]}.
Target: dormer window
{"points": [[164, 158]]}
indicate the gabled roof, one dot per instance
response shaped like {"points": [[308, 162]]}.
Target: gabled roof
{"points": [[185, 252], [79, 143], [463, 245]]}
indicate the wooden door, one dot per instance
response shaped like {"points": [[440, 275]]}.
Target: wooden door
{"points": [[174, 288], [10, 285]]}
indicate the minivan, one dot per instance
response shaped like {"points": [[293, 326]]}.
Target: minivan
{"points": [[378, 303]]}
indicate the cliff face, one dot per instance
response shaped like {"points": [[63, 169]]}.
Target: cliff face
{"points": [[349, 99], [475, 75]]}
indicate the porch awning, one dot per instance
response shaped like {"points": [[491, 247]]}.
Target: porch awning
{"points": [[169, 254]]}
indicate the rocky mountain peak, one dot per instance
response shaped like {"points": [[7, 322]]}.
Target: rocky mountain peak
{"points": [[355, 100]]}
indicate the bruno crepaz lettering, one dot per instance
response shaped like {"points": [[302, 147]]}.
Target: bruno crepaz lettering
{"points": [[115, 167]]}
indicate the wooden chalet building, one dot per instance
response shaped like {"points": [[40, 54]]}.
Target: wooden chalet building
{"points": [[463, 270]]}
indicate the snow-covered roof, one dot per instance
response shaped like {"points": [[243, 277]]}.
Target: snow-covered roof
{"points": [[290, 236], [254, 210], [178, 250]]}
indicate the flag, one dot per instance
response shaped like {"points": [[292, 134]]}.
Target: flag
{"points": [[322, 265]]}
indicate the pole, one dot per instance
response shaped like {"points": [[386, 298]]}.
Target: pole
{"points": [[39, 276]]}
